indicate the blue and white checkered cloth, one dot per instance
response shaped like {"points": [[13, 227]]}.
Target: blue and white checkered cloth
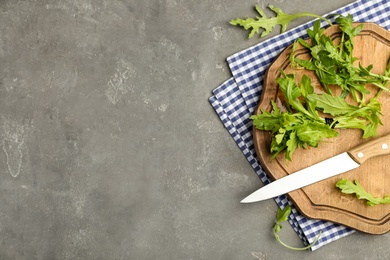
{"points": [[237, 98]]}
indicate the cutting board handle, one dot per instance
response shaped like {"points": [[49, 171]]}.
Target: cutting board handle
{"points": [[375, 147]]}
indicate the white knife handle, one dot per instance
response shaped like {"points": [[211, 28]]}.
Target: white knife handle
{"points": [[376, 147]]}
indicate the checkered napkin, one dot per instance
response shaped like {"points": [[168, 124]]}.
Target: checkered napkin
{"points": [[237, 98]]}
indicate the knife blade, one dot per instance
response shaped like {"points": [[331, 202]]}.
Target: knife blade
{"points": [[338, 164]]}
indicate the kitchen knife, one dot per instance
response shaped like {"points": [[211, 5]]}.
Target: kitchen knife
{"points": [[333, 166]]}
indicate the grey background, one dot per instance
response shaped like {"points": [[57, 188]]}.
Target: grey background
{"points": [[109, 147]]}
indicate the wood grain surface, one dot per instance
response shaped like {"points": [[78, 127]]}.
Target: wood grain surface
{"points": [[323, 200]]}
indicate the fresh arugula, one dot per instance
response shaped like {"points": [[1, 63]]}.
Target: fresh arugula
{"points": [[267, 24], [311, 117], [348, 187], [281, 216], [299, 126], [334, 64], [365, 117]]}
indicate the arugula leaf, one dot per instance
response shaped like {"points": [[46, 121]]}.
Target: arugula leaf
{"points": [[307, 89], [349, 32], [366, 117], [312, 133], [348, 187], [268, 121], [315, 33], [267, 24], [306, 86], [292, 92], [333, 105], [292, 143], [344, 122], [281, 216]]}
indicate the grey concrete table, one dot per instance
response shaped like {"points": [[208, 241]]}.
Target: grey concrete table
{"points": [[109, 147]]}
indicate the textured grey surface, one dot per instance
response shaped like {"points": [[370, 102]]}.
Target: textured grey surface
{"points": [[109, 147]]}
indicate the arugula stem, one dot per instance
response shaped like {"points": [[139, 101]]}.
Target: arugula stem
{"points": [[299, 248], [381, 87], [341, 45], [381, 76], [313, 15], [281, 216], [378, 93]]}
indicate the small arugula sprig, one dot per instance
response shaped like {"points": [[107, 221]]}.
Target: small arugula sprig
{"points": [[267, 24], [348, 187], [281, 216]]}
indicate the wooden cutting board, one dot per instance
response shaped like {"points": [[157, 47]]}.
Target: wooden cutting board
{"points": [[323, 200]]}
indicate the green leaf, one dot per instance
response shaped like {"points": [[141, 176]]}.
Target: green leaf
{"points": [[370, 130], [348, 187], [346, 25], [277, 148], [266, 24], [282, 214], [289, 87], [333, 105], [306, 87], [365, 71], [370, 112], [304, 43], [280, 136], [314, 132], [292, 144], [277, 228], [268, 121], [351, 122], [309, 65], [292, 92], [315, 33]]}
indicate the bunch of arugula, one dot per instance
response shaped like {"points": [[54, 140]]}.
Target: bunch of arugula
{"points": [[334, 64], [301, 124]]}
